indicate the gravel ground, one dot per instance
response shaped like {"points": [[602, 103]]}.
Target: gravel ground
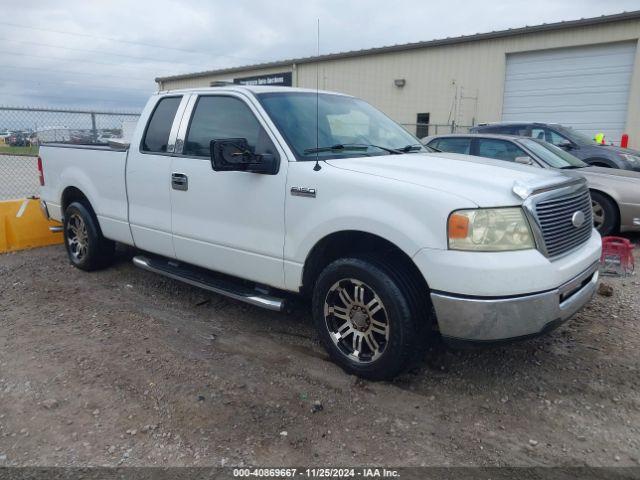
{"points": [[123, 367]]}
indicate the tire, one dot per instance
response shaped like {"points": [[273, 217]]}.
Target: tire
{"points": [[86, 247], [605, 214], [370, 299]]}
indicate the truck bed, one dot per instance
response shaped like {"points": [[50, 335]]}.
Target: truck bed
{"points": [[100, 169]]}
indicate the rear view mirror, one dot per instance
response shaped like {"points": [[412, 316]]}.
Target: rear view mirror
{"points": [[234, 154], [524, 160], [565, 145]]}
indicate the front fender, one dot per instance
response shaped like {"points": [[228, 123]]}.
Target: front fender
{"points": [[409, 216]]}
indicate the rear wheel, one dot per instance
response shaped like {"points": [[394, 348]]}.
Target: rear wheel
{"points": [[369, 317], [605, 214], [86, 246]]}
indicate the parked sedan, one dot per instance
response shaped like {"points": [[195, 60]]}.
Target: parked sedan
{"points": [[569, 139], [615, 194]]}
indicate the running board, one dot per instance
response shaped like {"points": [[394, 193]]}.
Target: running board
{"points": [[206, 280]]}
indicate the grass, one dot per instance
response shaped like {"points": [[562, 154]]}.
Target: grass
{"points": [[7, 149]]}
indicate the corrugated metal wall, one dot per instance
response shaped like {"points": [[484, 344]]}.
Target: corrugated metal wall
{"points": [[436, 77], [584, 87]]}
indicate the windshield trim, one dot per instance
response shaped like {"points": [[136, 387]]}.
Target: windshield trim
{"points": [[332, 155]]}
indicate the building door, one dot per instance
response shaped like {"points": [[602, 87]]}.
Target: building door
{"points": [[422, 129], [586, 88]]}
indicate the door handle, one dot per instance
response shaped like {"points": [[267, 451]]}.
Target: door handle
{"points": [[179, 181]]}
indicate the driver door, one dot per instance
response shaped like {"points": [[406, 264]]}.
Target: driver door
{"points": [[228, 221]]}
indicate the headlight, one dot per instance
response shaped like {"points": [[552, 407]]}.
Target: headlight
{"points": [[489, 230], [631, 158]]}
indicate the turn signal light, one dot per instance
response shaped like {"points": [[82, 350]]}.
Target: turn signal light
{"points": [[458, 226]]}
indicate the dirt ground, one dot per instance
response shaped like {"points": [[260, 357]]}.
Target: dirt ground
{"points": [[124, 367]]}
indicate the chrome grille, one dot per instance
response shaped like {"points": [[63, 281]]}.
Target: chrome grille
{"points": [[555, 220]]}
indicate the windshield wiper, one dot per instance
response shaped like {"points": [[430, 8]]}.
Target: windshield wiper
{"points": [[572, 167], [350, 147], [412, 148]]}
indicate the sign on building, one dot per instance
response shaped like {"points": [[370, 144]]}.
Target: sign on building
{"points": [[283, 79]]}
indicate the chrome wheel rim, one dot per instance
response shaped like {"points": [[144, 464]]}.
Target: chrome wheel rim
{"points": [[598, 215], [77, 237], [357, 320]]}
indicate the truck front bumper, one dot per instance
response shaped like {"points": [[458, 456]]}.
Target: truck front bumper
{"points": [[490, 319]]}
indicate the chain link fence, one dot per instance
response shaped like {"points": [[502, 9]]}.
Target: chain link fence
{"points": [[422, 130], [24, 129], [18, 176]]}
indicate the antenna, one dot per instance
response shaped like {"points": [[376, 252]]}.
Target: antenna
{"points": [[317, 166]]}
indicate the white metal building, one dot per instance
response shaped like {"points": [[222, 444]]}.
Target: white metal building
{"points": [[582, 73]]}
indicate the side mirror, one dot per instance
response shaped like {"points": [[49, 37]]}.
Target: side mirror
{"points": [[524, 160], [234, 154], [565, 145]]}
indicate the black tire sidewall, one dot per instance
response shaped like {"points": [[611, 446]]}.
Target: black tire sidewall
{"points": [[403, 334], [95, 257], [610, 224]]}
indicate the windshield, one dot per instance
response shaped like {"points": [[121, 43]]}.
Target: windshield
{"points": [[575, 136], [347, 126], [552, 155]]}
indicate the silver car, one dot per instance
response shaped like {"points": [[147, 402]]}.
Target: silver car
{"points": [[615, 193]]}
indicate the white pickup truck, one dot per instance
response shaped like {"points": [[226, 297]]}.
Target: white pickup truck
{"points": [[257, 192]]}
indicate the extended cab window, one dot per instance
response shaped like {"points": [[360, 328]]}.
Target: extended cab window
{"points": [[219, 118], [156, 137], [452, 145], [499, 149]]}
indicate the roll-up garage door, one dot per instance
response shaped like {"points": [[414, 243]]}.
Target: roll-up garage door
{"points": [[583, 87]]}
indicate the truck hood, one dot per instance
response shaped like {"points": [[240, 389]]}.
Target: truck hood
{"points": [[484, 181]]}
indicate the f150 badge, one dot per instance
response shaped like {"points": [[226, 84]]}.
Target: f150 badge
{"points": [[303, 192]]}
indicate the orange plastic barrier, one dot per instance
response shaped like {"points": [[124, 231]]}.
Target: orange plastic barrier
{"points": [[22, 226]]}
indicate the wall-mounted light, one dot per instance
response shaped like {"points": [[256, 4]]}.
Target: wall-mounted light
{"points": [[399, 82]]}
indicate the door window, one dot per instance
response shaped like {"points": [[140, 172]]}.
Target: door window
{"points": [[222, 117], [539, 133], [452, 144], [547, 135], [555, 138], [156, 136], [499, 149]]}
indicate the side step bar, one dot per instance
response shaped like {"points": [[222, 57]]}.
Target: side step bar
{"points": [[206, 280]]}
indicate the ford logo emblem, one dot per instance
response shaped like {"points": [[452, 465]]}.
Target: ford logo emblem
{"points": [[578, 219]]}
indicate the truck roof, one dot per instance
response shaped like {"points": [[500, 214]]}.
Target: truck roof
{"points": [[245, 88]]}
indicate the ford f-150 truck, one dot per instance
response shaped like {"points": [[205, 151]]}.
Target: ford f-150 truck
{"points": [[257, 192]]}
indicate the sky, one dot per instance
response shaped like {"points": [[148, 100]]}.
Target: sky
{"points": [[106, 54]]}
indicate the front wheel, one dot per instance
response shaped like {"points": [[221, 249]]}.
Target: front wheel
{"points": [[86, 247], [370, 316], [605, 214]]}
